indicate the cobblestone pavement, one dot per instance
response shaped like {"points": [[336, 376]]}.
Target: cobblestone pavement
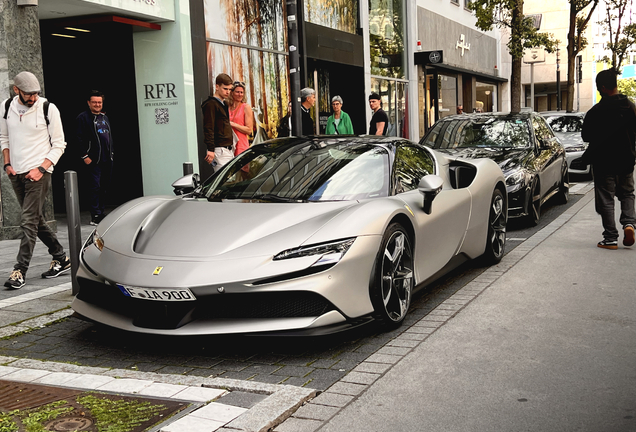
{"points": [[313, 362]]}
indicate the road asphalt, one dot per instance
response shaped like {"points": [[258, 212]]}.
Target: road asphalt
{"points": [[544, 341]]}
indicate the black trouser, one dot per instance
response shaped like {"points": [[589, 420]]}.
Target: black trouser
{"points": [[31, 196], [606, 187], [99, 176]]}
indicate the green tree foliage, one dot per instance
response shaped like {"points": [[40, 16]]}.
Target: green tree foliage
{"points": [[508, 14], [580, 14], [621, 36], [627, 87]]}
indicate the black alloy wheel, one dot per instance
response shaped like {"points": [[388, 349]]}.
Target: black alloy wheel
{"points": [[392, 284], [497, 220], [534, 204], [564, 186]]}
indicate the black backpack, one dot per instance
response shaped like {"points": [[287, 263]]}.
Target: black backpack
{"points": [[45, 107]]}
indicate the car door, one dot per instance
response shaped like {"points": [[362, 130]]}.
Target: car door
{"points": [[549, 156], [440, 234]]}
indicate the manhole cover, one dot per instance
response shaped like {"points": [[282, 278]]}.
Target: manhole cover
{"points": [[69, 424]]}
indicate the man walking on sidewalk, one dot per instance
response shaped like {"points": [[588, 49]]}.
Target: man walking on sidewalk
{"points": [[610, 128], [32, 142]]}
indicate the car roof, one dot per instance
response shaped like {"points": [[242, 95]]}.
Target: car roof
{"points": [[520, 115], [562, 113]]}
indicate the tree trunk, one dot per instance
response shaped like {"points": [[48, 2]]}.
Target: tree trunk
{"points": [[516, 50], [572, 52], [515, 86]]}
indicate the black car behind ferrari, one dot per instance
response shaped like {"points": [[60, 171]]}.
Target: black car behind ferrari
{"points": [[531, 157]]}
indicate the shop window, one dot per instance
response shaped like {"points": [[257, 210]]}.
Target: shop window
{"points": [[341, 15], [393, 94], [386, 32]]}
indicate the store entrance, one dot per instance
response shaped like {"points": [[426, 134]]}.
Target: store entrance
{"points": [[81, 57], [335, 79]]}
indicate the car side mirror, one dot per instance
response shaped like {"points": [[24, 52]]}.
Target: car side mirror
{"points": [[430, 186], [186, 184]]}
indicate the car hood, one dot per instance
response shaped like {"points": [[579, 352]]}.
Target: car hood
{"points": [[570, 139], [196, 228], [507, 159]]}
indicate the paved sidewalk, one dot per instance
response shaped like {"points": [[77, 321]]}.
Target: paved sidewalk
{"points": [[544, 341], [31, 306]]}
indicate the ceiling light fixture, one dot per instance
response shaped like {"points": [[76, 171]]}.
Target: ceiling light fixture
{"points": [[77, 29], [63, 35]]}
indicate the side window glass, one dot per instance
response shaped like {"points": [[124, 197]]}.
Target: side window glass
{"points": [[411, 164], [543, 132]]}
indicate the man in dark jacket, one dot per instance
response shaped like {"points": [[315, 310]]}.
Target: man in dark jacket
{"points": [[307, 100], [610, 128], [216, 124], [95, 144]]}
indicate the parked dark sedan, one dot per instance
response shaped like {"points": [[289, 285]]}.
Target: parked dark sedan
{"points": [[530, 156]]}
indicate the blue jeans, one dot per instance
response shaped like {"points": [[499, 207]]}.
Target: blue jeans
{"points": [[606, 187], [31, 196]]}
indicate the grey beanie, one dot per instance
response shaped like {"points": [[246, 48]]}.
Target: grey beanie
{"points": [[306, 92], [336, 98], [27, 82]]}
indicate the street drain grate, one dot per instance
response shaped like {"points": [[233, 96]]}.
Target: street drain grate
{"points": [[17, 396], [47, 408]]}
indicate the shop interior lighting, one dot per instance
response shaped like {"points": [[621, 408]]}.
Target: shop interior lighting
{"points": [[77, 29], [63, 35]]}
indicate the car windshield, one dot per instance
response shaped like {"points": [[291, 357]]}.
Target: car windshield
{"points": [[480, 131], [565, 123], [299, 170]]}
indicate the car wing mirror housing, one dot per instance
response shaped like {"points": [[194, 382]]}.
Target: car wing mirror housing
{"points": [[430, 186], [186, 184]]}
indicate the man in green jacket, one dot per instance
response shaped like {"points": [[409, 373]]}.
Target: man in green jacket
{"points": [[339, 122]]}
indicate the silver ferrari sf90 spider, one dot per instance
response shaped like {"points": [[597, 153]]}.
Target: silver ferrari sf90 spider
{"points": [[297, 235]]}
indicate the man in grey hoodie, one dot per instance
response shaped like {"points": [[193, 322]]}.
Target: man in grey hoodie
{"points": [[610, 128]]}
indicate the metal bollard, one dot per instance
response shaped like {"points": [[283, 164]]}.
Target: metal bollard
{"points": [[188, 168], [74, 224]]}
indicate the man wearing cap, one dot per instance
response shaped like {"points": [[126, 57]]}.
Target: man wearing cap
{"points": [[307, 100], [32, 142], [379, 121]]}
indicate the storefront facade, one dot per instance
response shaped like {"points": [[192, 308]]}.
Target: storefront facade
{"points": [[467, 74]]}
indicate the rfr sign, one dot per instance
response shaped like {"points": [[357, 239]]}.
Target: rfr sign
{"points": [[160, 91]]}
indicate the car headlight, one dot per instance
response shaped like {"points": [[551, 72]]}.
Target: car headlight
{"points": [[576, 148], [327, 253], [94, 239], [515, 177]]}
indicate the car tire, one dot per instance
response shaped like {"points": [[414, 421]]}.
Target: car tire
{"points": [[534, 204], [496, 238], [392, 278], [563, 195]]}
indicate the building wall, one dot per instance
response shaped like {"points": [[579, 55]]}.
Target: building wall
{"points": [[20, 50], [166, 101]]}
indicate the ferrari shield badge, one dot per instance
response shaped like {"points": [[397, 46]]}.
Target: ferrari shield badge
{"points": [[157, 271]]}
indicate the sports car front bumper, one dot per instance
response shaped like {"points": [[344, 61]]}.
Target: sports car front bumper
{"points": [[257, 299]]}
